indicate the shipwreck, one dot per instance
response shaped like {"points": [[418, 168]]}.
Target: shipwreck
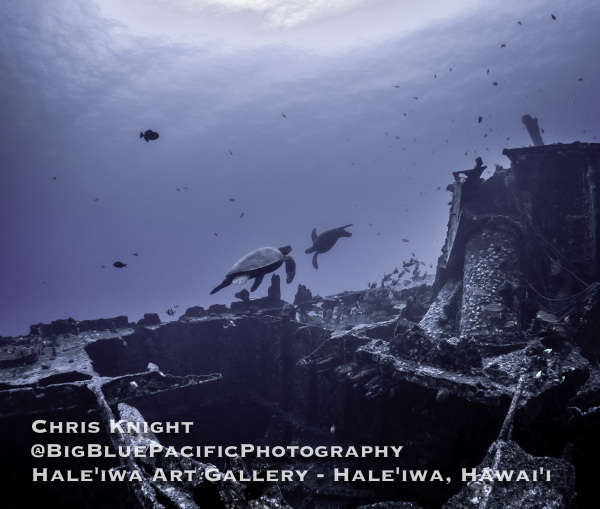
{"points": [[491, 367]]}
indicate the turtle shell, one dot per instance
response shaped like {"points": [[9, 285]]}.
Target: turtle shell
{"points": [[256, 260]]}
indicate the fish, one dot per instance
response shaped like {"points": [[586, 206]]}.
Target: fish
{"points": [[136, 254], [149, 135], [119, 265], [242, 214], [553, 16], [479, 120], [232, 199], [284, 115]]}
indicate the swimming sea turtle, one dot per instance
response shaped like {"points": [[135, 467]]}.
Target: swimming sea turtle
{"points": [[258, 263], [325, 241]]}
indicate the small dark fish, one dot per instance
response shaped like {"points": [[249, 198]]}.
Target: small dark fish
{"points": [[284, 115], [178, 189], [580, 79], [102, 266], [96, 199], [231, 199], [495, 83], [488, 71], [149, 135], [119, 265], [216, 234], [396, 86], [519, 23], [230, 153], [185, 187], [136, 254], [503, 45], [406, 240], [479, 119], [415, 98], [170, 311], [242, 214], [553, 16], [53, 178]]}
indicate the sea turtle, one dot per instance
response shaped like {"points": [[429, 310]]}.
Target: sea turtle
{"points": [[324, 242], [258, 263]]}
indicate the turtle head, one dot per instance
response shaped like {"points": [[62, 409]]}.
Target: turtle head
{"points": [[290, 269], [285, 250]]}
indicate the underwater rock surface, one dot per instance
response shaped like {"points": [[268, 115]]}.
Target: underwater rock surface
{"points": [[490, 368]]}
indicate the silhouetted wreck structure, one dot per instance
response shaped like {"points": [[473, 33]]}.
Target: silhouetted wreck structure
{"points": [[533, 128], [494, 368]]}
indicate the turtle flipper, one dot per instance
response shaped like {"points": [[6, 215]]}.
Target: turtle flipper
{"points": [[257, 282], [314, 261], [310, 250], [313, 235], [226, 282], [341, 232], [290, 269]]}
